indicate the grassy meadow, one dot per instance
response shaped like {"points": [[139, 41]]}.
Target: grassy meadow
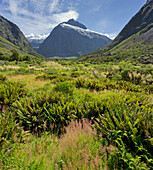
{"points": [[64, 114]]}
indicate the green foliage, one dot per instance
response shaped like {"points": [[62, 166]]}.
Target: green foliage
{"points": [[7, 128], [53, 111], [149, 89], [15, 55], [116, 98], [75, 74], [2, 78], [27, 58], [130, 130], [9, 93], [3, 56], [39, 117], [65, 87], [107, 84], [46, 76]]}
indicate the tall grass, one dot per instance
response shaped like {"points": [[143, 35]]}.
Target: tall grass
{"points": [[78, 148]]}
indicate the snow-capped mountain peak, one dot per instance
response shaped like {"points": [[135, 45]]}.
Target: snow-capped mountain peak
{"points": [[71, 39]]}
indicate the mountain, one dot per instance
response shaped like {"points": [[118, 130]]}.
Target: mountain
{"points": [[12, 38], [12, 33], [134, 42], [36, 41], [71, 39]]}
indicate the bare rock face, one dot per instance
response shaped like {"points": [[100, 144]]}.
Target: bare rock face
{"points": [[12, 33], [71, 39]]}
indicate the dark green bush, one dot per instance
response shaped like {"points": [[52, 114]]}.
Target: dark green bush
{"points": [[65, 87], [15, 55]]}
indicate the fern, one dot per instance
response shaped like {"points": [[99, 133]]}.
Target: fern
{"points": [[129, 130]]}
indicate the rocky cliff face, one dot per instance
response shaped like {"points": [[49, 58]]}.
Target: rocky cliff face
{"points": [[71, 39], [12, 33]]}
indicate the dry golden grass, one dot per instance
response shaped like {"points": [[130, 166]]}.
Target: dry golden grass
{"points": [[1, 68], [36, 68], [29, 80], [56, 66], [11, 67]]}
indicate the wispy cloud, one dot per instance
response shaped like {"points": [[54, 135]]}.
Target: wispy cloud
{"points": [[54, 6], [38, 17], [13, 5]]}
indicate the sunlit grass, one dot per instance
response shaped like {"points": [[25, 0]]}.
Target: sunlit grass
{"points": [[79, 147], [29, 80]]}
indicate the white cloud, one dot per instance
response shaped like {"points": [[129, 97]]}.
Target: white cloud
{"points": [[30, 35], [38, 17], [13, 5], [111, 35], [38, 37], [54, 5], [65, 16], [96, 8]]}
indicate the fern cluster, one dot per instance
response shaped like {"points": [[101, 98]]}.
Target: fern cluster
{"points": [[130, 129]]}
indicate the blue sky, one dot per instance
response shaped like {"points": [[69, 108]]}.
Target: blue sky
{"points": [[41, 16]]}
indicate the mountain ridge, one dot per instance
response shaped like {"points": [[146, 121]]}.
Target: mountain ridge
{"points": [[71, 39], [13, 34], [135, 36], [11, 38]]}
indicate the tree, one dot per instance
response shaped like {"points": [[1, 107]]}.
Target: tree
{"points": [[15, 55]]}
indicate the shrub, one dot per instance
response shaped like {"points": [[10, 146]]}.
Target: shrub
{"points": [[130, 130], [7, 128], [2, 78], [75, 74], [65, 87], [15, 55], [10, 92]]}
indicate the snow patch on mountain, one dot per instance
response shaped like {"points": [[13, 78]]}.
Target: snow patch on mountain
{"points": [[71, 39], [85, 32]]}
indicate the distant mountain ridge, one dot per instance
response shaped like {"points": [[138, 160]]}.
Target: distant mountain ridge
{"points": [[36, 41], [13, 34], [71, 39], [132, 43]]}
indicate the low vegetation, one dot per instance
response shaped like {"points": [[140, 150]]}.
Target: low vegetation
{"points": [[68, 115]]}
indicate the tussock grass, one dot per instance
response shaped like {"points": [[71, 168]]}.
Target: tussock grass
{"points": [[29, 80]]}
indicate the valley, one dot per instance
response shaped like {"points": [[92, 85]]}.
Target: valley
{"points": [[70, 107]]}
